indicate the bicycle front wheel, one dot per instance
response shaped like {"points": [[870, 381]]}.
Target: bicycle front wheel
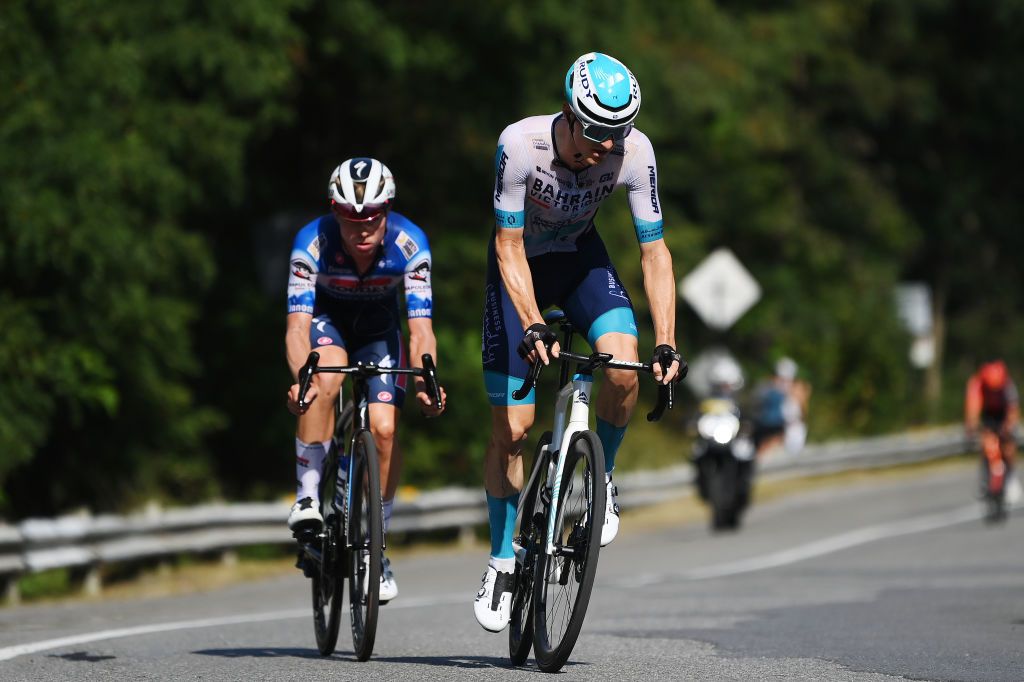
{"points": [[565, 578], [366, 538], [329, 579], [530, 537]]}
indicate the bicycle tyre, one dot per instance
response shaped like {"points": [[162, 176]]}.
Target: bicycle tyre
{"points": [[558, 613], [329, 580], [995, 498], [366, 537], [723, 494], [529, 530]]}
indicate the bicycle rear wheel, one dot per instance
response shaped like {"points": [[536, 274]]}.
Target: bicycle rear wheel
{"points": [[329, 579], [529, 535], [565, 579], [367, 537]]}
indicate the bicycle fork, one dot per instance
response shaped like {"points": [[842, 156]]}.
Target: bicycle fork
{"points": [[573, 399]]}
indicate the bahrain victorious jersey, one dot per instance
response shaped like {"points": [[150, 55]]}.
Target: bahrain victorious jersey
{"points": [[323, 277], [555, 205]]}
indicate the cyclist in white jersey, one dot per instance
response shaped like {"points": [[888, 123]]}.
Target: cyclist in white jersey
{"points": [[552, 173]]}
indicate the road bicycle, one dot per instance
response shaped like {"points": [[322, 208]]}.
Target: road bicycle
{"points": [[351, 541], [993, 475], [561, 511]]}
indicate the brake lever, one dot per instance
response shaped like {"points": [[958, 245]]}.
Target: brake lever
{"points": [[306, 373]]}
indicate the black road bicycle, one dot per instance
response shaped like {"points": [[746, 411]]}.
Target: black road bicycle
{"points": [[561, 512], [351, 541]]}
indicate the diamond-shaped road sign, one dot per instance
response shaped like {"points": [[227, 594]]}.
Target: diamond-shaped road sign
{"points": [[720, 289]]}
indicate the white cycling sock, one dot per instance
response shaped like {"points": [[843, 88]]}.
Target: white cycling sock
{"points": [[309, 462], [389, 506], [502, 565]]}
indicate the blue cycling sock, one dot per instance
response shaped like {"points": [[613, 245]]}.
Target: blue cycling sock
{"points": [[611, 438], [502, 514]]}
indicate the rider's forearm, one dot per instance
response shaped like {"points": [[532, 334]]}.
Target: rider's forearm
{"points": [[515, 273], [296, 341], [659, 282], [421, 340]]}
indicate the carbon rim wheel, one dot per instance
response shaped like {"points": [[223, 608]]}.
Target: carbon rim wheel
{"points": [[329, 581], [529, 531], [366, 537], [564, 580]]}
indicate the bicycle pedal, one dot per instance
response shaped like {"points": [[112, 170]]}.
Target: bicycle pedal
{"points": [[302, 562], [306, 535]]}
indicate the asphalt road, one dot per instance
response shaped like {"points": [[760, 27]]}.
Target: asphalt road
{"points": [[881, 580]]}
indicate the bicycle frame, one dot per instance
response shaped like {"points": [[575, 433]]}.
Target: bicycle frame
{"points": [[572, 416], [361, 414], [573, 400]]}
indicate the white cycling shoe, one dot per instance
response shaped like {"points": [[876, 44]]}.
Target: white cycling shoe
{"points": [[493, 603], [388, 584], [611, 514], [305, 513]]}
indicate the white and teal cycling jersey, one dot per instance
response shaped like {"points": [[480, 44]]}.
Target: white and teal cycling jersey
{"points": [[555, 205]]}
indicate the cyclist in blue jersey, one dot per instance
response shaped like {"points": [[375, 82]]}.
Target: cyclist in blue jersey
{"points": [[552, 173], [346, 268]]}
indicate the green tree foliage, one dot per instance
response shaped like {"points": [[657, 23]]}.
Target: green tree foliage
{"points": [[157, 160], [121, 124]]}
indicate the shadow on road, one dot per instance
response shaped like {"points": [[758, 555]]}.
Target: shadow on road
{"points": [[260, 652], [467, 662], [473, 662]]}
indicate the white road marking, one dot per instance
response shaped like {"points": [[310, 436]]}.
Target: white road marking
{"points": [[810, 550], [7, 653]]}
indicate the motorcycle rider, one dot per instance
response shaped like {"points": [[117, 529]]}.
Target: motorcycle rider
{"points": [[725, 378]]}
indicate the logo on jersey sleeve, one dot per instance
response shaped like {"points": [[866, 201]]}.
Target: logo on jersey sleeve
{"points": [[500, 161], [421, 272], [407, 244], [302, 269], [654, 189], [314, 247]]}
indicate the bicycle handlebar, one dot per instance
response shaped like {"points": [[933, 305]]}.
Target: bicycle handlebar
{"points": [[666, 392], [428, 373]]}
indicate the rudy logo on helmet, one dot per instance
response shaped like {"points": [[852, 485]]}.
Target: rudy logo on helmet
{"points": [[604, 95]]}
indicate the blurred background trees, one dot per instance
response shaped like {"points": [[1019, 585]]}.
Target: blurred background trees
{"points": [[156, 161]]}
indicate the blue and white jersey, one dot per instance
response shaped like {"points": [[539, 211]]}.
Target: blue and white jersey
{"points": [[324, 278], [555, 205]]}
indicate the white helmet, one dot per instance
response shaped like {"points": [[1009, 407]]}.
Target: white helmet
{"points": [[604, 96], [361, 189], [726, 372], [786, 368]]}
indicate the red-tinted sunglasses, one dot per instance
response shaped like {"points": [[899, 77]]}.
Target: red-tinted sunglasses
{"points": [[369, 213]]}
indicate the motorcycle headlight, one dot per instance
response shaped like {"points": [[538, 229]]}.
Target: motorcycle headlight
{"points": [[720, 428]]}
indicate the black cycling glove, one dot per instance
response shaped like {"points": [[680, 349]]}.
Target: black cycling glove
{"points": [[664, 355], [536, 332]]}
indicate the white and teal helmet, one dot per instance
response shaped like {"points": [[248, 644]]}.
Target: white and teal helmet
{"points": [[604, 96], [361, 188]]}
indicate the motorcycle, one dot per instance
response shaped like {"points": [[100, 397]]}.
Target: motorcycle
{"points": [[723, 455]]}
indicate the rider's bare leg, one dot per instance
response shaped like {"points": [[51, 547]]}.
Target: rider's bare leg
{"points": [[383, 423], [503, 475], [617, 397], [313, 435]]}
